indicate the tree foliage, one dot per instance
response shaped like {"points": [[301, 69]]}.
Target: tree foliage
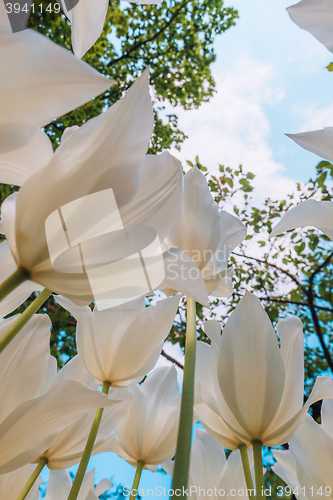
{"points": [[175, 38]]}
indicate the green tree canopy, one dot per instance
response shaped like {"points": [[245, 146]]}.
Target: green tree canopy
{"points": [[175, 38]]}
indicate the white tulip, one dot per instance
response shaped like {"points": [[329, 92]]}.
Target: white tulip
{"points": [[211, 475], [148, 431], [207, 235], [260, 385], [108, 153], [122, 344]]}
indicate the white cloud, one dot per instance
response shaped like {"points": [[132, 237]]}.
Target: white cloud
{"points": [[233, 129]]}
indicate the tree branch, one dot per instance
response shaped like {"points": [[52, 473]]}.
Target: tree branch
{"points": [[319, 268], [318, 331], [170, 358], [152, 38], [293, 302], [271, 265]]}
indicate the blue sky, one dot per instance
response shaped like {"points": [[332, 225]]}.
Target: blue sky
{"points": [[271, 80]]}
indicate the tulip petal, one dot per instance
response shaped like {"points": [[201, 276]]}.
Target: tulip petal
{"points": [[66, 450], [157, 201], [197, 230], [233, 233], [12, 484], [205, 404], [74, 369], [285, 467], [87, 18], [221, 284], [148, 428], [308, 213], [31, 428], [292, 352], [233, 478], [59, 485], [99, 332], [183, 275], [130, 430], [213, 331], [318, 142], [315, 16], [141, 344], [322, 389], [17, 165], [207, 460], [161, 390], [102, 487], [112, 445], [313, 448], [8, 217], [22, 292], [4, 19], [217, 428], [49, 81], [49, 375], [327, 416], [250, 369], [23, 362], [307, 482]]}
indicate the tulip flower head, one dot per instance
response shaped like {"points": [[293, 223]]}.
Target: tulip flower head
{"points": [[211, 475], [122, 344], [108, 153], [260, 385], [206, 234], [148, 430]]}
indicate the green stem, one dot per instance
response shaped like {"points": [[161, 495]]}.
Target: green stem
{"points": [[181, 470], [23, 318], [13, 282], [32, 479], [258, 471], [247, 470], [136, 481], [88, 449]]}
